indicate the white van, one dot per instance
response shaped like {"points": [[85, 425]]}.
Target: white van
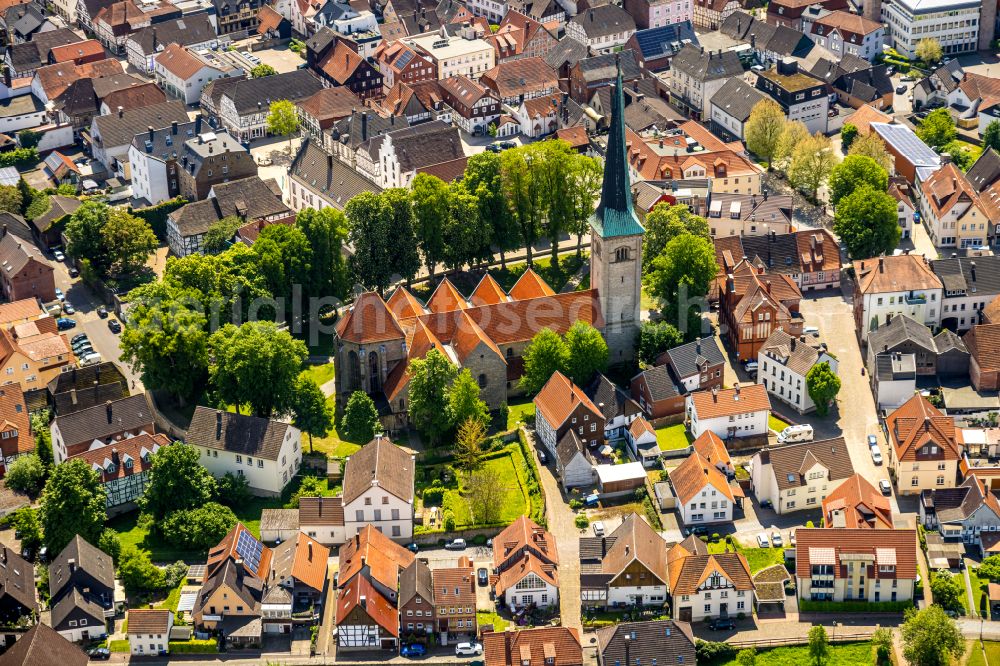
{"points": [[90, 359], [796, 433]]}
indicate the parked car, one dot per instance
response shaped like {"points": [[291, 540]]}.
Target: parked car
{"points": [[482, 576], [114, 326], [456, 544], [796, 433], [696, 530], [59, 256], [102, 312], [722, 624], [750, 367], [83, 348], [68, 308], [765, 504], [90, 359], [876, 455], [776, 539], [791, 538], [59, 295], [74, 272], [872, 441], [64, 323], [78, 337], [885, 486], [599, 529], [468, 649], [412, 547], [413, 650], [907, 79], [99, 654], [762, 540], [901, 89], [811, 330], [543, 458]]}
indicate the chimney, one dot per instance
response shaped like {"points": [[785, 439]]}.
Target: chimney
{"points": [[972, 269], [121, 111], [767, 285], [173, 127], [329, 162], [793, 344], [697, 347], [107, 407], [881, 264], [197, 124], [6, 76], [114, 455], [72, 565], [218, 424], [310, 551], [72, 395], [151, 131], [364, 126], [715, 394]]}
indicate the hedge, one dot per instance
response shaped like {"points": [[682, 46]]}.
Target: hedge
{"points": [[532, 483], [22, 158], [195, 646], [156, 216], [433, 495], [808, 605]]}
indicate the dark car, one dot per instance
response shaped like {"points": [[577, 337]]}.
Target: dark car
{"points": [[74, 272], [114, 326], [482, 575], [722, 624], [412, 547], [65, 323], [100, 654], [102, 312], [413, 650]]}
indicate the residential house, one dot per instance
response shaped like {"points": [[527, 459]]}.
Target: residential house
{"points": [[811, 257], [209, 159], [31, 354], [194, 31], [21, 112], [624, 569], [318, 180], [668, 640], [619, 410], [942, 355], [552, 646], [47, 226], [789, 13], [112, 134], [539, 117], [952, 211], [343, 67], [149, 631], [888, 287], [183, 72], [894, 379], [474, 107], [655, 46], [399, 63], [783, 363], [101, 425], [27, 273], [969, 286], [82, 388], [708, 586], [455, 600], [79, 53], [801, 97], [856, 503], [23, 60], [153, 161], [740, 215], [983, 343], [525, 564], [40, 646], [695, 77], [964, 512], [794, 477], [18, 600], [658, 393], [603, 28], [114, 23], [842, 33], [693, 366], [857, 83], [318, 113], [709, 14], [515, 81], [588, 74], [573, 465], [416, 600], [299, 565], [912, 158], [703, 493], [265, 451], [81, 591], [731, 106], [738, 412], [642, 441], [124, 468], [658, 13], [900, 190], [242, 105], [521, 36], [561, 406], [70, 88], [237, 16], [924, 452], [848, 565], [753, 303], [768, 44], [405, 152], [60, 169], [461, 52]]}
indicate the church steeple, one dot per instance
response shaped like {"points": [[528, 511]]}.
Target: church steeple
{"points": [[615, 214]]}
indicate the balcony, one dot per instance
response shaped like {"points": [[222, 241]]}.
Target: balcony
{"points": [[916, 299]]}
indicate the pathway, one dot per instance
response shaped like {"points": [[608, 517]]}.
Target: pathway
{"points": [[973, 611]]}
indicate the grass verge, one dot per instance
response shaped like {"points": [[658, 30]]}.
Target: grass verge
{"points": [[673, 437]]}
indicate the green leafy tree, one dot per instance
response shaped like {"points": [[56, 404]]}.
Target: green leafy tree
{"points": [[656, 337], [545, 355], [882, 646], [137, 572], [283, 120], [128, 240], [243, 355], [360, 418], [937, 129], [812, 161], [380, 228], [929, 50], [25, 520], [311, 486], [482, 178], [83, 233], [430, 213], [223, 286], [220, 234], [960, 154], [852, 173], [464, 403], [27, 194], [200, 528], [871, 145], [285, 259], [517, 187], [819, 645], [680, 276], [665, 223], [792, 134], [554, 162], [931, 638], [586, 352], [73, 502], [233, 490], [585, 189], [466, 235], [110, 543], [403, 251], [763, 130], [262, 70], [486, 494], [29, 138], [991, 135], [326, 232], [866, 222], [26, 474], [823, 385], [177, 480], [848, 133], [747, 657], [43, 437], [10, 199], [989, 568], [312, 414], [430, 379], [469, 444], [948, 591]]}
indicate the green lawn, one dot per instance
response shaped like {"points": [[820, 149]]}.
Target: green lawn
{"points": [[978, 589], [671, 438], [846, 654], [489, 617], [518, 411], [515, 504], [555, 277], [976, 653], [170, 603], [757, 558], [776, 424], [321, 374], [119, 646]]}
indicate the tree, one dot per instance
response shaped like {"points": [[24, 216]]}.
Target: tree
{"points": [[848, 133], [664, 223], [283, 120], [326, 232], [25, 520], [812, 161], [199, 528], [26, 474], [430, 214], [312, 415], [469, 444], [403, 248], [991, 135], [555, 162], [680, 278], [938, 128], [852, 173], [656, 337], [931, 638], [871, 145], [137, 572], [83, 232], [948, 591], [517, 187], [819, 645], [380, 228], [10, 199], [866, 222], [430, 378], [233, 490], [262, 70], [43, 437], [128, 240], [823, 385], [110, 543], [256, 364], [792, 134], [747, 657], [311, 486], [220, 234], [486, 494], [482, 178], [29, 138], [763, 130], [73, 502], [585, 188], [466, 236], [464, 403], [990, 568], [929, 50], [360, 418], [177, 481], [960, 154], [545, 355], [882, 646], [586, 352], [284, 260]]}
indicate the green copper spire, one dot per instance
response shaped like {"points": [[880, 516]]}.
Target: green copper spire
{"points": [[615, 215]]}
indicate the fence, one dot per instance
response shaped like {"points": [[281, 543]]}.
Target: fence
{"points": [[833, 637]]}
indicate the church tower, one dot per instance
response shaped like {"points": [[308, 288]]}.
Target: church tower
{"points": [[616, 242]]}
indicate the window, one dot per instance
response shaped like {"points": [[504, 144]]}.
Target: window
{"points": [[239, 460]]}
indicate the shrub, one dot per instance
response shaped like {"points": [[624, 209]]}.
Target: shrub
{"points": [[713, 651], [195, 646], [22, 158], [26, 474], [575, 504], [433, 495], [715, 537], [174, 574], [449, 520], [233, 490], [582, 521]]}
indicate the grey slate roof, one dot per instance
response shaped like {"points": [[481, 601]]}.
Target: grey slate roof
{"points": [[86, 425], [76, 600], [415, 579], [119, 131], [661, 383], [737, 98], [17, 578], [603, 67], [707, 66], [602, 391], [568, 446], [688, 359], [247, 198], [42, 646], [948, 341], [15, 253], [85, 556], [81, 378], [354, 131], [237, 433], [34, 54], [901, 329], [426, 144], [250, 94], [330, 177], [604, 20], [791, 462], [985, 171], [193, 29], [567, 51], [973, 275], [165, 144], [664, 641]]}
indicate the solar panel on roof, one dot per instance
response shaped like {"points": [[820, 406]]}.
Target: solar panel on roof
{"points": [[249, 549], [404, 59]]}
